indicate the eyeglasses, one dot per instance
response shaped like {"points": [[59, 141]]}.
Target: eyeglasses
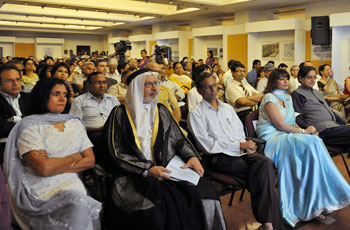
{"points": [[58, 93], [99, 82], [150, 84], [209, 86], [240, 71], [7, 81]]}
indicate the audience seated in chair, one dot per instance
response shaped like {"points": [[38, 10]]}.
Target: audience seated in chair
{"points": [[309, 183], [13, 102], [142, 138], [86, 69], [119, 90], [219, 132], [94, 108], [314, 110], [43, 155], [240, 94], [101, 66]]}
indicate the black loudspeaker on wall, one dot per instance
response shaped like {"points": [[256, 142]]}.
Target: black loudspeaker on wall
{"points": [[320, 32]]}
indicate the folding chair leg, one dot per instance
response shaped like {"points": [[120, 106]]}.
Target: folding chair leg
{"points": [[346, 165], [242, 194], [231, 198]]}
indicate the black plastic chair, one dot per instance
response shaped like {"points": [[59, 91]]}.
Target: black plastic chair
{"points": [[230, 184]]}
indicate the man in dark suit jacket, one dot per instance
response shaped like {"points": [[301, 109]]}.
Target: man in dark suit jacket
{"points": [[12, 101]]}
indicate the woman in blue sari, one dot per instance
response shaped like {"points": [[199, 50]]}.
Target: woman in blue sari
{"points": [[309, 182]]}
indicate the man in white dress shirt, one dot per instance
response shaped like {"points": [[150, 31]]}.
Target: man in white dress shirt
{"points": [[94, 107], [219, 132], [240, 94]]}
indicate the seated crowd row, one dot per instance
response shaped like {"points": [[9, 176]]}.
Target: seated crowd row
{"points": [[68, 122]]}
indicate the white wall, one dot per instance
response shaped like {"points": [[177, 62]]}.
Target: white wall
{"points": [[341, 53], [57, 50], [94, 41], [201, 44], [255, 41], [174, 45], [7, 49], [136, 48]]}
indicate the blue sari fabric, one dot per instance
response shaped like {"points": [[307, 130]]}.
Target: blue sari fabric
{"points": [[309, 181]]}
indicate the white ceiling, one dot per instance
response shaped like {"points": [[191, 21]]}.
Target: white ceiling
{"points": [[101, 16]]}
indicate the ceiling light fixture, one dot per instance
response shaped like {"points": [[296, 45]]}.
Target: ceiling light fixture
{"points": [[63, 7], [43, 6], [77, 10], [171, 2]]}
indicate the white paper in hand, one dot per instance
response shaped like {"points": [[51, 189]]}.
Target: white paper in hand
{"points": [[178, 173]]}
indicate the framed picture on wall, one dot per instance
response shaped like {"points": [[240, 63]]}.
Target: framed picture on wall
{"points": [[288, 50], [270, 50], [221, 52]]}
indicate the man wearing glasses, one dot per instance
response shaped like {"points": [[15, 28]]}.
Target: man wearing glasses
{"points": [[240, 94], [20, 67], [12, 102], [94, 107]]}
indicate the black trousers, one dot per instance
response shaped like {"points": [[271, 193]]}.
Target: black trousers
{"points": [[257, 173], [336, 136]]}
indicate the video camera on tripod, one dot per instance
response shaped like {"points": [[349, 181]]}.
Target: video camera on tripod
{"points": [[121, 48], [159, 51]]}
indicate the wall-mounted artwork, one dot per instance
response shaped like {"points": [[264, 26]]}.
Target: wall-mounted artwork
{"points": [[271, 50], [288, 50]]}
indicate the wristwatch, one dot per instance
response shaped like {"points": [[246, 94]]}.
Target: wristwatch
{"points": [[302, 130]]}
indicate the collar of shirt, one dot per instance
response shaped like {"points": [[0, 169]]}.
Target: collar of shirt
{"points": [[90, 96], [207, 105], [8, 97]]}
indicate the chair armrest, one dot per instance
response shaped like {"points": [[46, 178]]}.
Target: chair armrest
{"points": [[261, 143]]}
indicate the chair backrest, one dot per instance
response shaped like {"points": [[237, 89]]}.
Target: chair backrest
{"points": [[249, 123]]}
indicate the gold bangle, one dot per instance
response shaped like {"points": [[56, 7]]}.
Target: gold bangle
{"points": [[73, 161]]}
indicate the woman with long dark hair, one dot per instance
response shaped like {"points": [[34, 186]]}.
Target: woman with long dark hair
{"points": [[43, 155]]}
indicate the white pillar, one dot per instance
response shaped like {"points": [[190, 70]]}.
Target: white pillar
{"points": [[254, 49], [200, 48], [299, 46]]}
